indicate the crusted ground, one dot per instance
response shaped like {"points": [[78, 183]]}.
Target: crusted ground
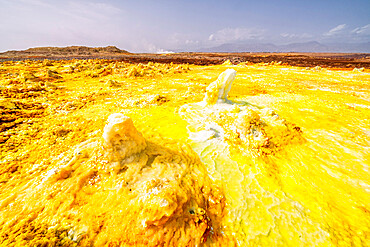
{"points": [[291, 170]]}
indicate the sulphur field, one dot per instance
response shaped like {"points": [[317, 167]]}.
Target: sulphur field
{"points": [[107, 153]]}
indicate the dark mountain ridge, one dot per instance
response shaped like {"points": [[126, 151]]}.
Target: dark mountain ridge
{"points": [[63, 51]]}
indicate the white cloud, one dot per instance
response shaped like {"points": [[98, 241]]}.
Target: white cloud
{"points": [[143, 45], [344, 33], [182, 41], [336, 30], [191, 42], [296, 36], [365, 30], [236, 34]]}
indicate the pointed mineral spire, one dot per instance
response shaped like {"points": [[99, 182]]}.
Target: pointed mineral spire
{"points": [[122, 138], [218, 90]]}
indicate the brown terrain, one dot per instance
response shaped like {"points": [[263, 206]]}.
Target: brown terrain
{"points": [[329, 60]]}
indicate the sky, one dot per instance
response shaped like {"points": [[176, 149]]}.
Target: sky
{"points": [[167, 25]]}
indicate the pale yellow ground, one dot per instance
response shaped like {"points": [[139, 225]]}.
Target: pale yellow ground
{"points": [[310, 188]]}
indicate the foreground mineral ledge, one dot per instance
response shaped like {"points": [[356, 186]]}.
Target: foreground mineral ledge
{"points": [[120, 189]]}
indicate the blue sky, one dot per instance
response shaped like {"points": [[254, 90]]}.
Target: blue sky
{"points": [[162, 25]]}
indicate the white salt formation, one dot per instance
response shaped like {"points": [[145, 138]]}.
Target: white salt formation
{"points": [[218, 90], [122, 138], [241, 126]]}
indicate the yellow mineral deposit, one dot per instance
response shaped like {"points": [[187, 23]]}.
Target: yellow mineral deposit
{"points": [[118, 154], [119, 189]]}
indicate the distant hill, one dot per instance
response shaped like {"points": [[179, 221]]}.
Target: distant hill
{"points": [[66, 51], [312, 46], [237, 47]]}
